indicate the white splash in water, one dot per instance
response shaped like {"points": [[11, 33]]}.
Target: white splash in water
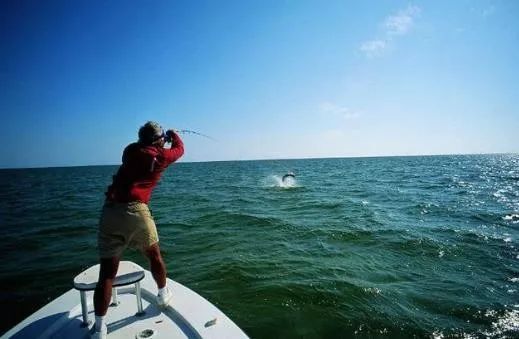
{"points": [[372, 290], [277, 181], [514, 218]]}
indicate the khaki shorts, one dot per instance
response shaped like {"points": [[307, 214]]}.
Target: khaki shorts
{"points": [[125, 224]]}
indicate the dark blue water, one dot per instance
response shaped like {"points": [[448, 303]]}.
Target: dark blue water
{"points": [[373, 247]]}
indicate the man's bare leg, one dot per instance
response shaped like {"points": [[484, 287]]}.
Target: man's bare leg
{"points": [[103, 291], [157, 266]]}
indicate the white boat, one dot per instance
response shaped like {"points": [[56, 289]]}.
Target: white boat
{"points": [[134, 312]]}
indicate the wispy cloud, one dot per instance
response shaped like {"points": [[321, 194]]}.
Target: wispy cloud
{"points": [[402, 22], [338, 111], [398, 24], [373, 47]]}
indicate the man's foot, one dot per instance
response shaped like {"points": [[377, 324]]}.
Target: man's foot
{"points": [[99, 334], [164, 297]]}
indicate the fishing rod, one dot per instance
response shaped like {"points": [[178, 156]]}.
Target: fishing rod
{"points": [[188, 131]]}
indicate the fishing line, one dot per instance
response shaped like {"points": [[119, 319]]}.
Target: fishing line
{"points": [[188, 131]]}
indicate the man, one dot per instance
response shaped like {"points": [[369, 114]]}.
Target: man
{"points": [[126, 219]]}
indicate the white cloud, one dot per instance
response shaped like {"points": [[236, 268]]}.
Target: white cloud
{"points": [[398, 24], [402, 22], [373, 47], [338, 111]]}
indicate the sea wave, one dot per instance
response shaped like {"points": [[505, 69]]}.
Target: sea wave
{"points": [[373, 247]]}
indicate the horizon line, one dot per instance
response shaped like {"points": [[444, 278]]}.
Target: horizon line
{"points": [[276, 159]]}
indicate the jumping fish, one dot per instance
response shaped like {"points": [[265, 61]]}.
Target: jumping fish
{"points": [[288, 175]]}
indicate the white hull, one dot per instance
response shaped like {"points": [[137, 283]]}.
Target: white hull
{"points": [[188, 316]]}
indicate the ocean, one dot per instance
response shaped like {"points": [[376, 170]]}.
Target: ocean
{"points": [[424, 247]]}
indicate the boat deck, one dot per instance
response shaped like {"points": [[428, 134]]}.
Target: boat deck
{"points": [[188, 316]]}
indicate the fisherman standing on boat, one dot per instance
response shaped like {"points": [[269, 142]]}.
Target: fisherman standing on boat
{"points": [[126, 219]]}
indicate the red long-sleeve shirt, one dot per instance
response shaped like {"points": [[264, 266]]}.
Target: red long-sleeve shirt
{"points": [[141, 170]]}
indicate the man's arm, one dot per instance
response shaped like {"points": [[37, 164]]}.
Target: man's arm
{"points": [[177, 148]]}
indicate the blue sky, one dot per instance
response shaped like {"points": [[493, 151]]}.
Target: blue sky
{"points": [[266, 79]]}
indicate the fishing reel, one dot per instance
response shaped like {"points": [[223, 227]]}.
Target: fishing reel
{"points": [[168, 136]]}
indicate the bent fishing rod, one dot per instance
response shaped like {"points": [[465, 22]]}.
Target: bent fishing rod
{"points": [[188, 131]]}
